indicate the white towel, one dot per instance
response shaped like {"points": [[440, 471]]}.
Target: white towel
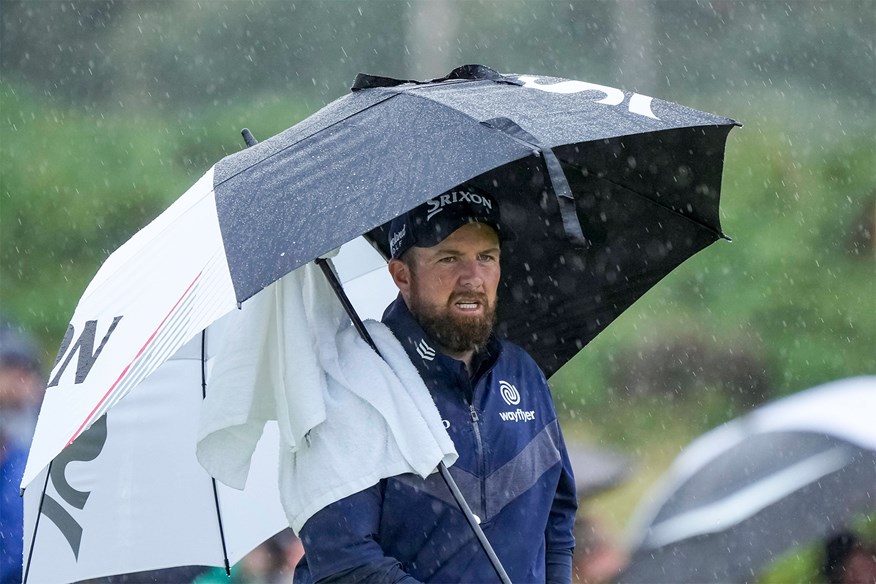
{"points": [[347, 418]]}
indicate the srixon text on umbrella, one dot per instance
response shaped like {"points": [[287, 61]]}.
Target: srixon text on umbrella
{"points": [[90, 443], [85, 346], [639, 104], [86, 448]]}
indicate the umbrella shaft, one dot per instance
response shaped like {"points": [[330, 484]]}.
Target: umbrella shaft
{"points": [[329, 271], [473, 522]]}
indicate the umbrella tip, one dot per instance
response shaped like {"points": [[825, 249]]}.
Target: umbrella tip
{"points": [[248, 137]]}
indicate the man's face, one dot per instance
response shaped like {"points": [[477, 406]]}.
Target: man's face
{"points": [[451, 288]]}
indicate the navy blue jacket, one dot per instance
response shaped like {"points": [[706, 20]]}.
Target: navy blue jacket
{"points": [[513, 470]]}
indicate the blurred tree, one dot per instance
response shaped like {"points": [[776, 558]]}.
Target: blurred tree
{"points": [[174, 53], [60, 47], [430, 38], [635, 47]]}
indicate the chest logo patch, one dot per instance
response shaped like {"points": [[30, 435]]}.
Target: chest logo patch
{"points": [[509, 393], [512, 398]]}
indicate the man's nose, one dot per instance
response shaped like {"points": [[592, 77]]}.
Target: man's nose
{"points": [[471, 274]]}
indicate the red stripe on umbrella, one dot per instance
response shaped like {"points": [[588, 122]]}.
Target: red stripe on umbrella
{"points": [[124, 372]]}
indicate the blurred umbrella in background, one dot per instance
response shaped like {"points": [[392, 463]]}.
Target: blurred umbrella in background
{"points": [[597, 469], [789, 473]]}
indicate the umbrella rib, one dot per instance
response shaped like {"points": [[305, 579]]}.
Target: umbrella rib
{"points": [[36, 524], [213, 479]]}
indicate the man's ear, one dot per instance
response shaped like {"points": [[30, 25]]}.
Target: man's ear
{"points": [[401, 275]]}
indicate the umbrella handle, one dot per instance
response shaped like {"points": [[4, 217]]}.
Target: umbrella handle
{"points": [[328, 269], [248, 137]]}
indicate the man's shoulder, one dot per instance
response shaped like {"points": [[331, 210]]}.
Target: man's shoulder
{"points": [[515, 351], [512, 353]]}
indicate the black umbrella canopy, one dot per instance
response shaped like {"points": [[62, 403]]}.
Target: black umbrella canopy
{"points": [[643, 181]]}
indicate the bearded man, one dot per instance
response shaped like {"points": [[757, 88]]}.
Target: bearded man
{"points": [[495, 403]]}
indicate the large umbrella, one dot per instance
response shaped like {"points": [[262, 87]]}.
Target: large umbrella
{"points": [[787, 474], [607, 190], [128, 495]]}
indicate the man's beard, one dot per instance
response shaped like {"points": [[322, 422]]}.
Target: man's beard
{"points": [[456, 333]]}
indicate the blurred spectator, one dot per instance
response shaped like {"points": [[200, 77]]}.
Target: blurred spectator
{"points": [[21, 392], [597, 557], [21, 385], [849, 561], [12, 460]]}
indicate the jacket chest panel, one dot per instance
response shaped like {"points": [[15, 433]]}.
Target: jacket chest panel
{"points": [[502, 421]]}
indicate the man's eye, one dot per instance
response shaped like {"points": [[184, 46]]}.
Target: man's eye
{"points": [[447, 260], [488, 258]]}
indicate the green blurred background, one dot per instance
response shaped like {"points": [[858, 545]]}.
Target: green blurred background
{"points": [[109, 110]]}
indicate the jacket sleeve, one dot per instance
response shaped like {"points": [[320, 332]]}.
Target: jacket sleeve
{"points": [[341, 542], [559, 538]]}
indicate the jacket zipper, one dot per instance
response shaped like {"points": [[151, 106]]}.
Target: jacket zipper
{"points": [[480, 446]]}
